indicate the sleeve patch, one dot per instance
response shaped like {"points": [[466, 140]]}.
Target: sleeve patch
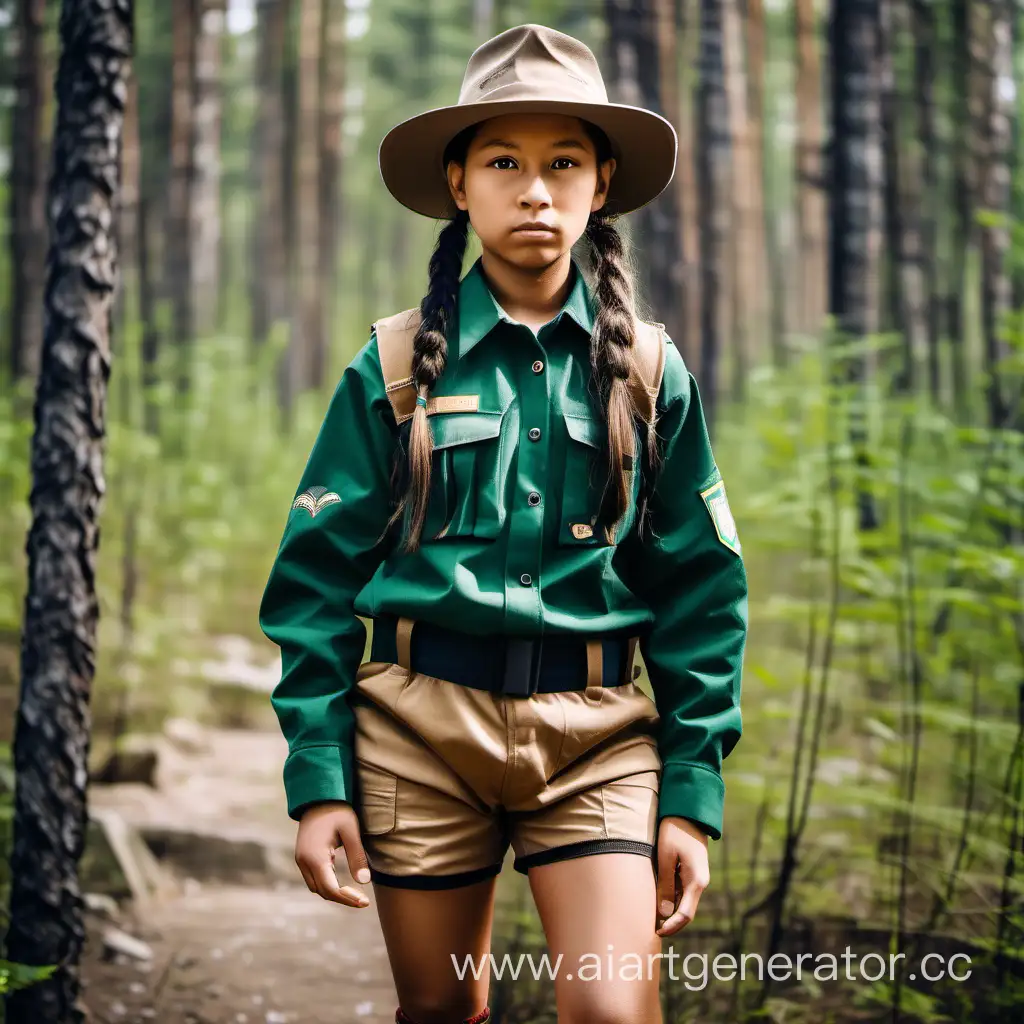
{"points": [[721, 515], [315, 499]]}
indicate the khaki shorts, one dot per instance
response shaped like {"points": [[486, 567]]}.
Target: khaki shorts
{"points": [[447, 776]]}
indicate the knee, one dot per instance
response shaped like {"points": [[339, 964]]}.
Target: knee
{"points": [[621, 1007]]}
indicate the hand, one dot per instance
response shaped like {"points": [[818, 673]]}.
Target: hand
{"points": [[324, 828], [682, 845]]}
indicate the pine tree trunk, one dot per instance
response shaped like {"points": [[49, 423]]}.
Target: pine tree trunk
{"points": [[27, 201], [743, 253], [856, 201], [637, 79], [759, 214], [688, 17], [305, 356], [714, 195], [812, 209], [204, 207], [178, 250], [925, 45], [332, 112], [269, 275], [51, 742], [995, 192]]}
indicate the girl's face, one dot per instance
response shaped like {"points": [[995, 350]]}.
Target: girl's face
{"points": [[530, 168]]}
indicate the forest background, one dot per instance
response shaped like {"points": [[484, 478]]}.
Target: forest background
{"points": [[838, 260]]}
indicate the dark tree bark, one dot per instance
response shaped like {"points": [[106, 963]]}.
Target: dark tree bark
{"points": [[856, 199], [27, 201], [637, 78], [51, 742], [713, 194]]}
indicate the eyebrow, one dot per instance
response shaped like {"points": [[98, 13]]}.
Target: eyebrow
{"points": [[560, 144]]}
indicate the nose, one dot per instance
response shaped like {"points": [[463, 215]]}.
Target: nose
{"points": [[536, 193]]}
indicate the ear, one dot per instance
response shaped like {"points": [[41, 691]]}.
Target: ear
{"points": [[604, 180], [456, 183]]}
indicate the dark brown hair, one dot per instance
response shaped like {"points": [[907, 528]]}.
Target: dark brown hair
{"points": [[612, 337]]}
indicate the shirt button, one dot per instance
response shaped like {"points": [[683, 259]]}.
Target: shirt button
{"points": [[534, 498], [526, 579], [538, 366], [534, 433]]}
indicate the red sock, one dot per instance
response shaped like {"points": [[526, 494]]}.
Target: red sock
{"points": [[401, 1017]]}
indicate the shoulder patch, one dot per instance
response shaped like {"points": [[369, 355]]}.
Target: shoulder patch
{"points": [[721, 515], [315, 499]]}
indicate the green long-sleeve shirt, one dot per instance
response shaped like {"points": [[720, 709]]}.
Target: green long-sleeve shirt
{"points": [[499, 553]]}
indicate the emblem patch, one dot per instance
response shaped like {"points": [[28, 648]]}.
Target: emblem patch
{"points": [[721, 515], [581, 531], [315, 499]]}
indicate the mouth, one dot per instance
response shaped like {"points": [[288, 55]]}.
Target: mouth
{"points": [[535, 230]]}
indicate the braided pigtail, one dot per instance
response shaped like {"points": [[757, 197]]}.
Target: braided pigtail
{"points": [[611, 356], [430, 354]]}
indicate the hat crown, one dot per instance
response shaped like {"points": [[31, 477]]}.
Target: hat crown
{"points": [[533, 61]]}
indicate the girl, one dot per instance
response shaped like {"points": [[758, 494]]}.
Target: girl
{"points": [[514, 481]]}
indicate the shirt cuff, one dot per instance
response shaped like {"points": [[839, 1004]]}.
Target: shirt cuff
{"points": [[313, 774], [695, 792]]}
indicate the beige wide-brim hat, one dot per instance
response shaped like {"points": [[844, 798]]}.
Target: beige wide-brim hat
{"points": [[529, 69]]}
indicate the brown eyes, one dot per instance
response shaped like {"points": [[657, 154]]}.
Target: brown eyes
{"points": [[508, 159]]}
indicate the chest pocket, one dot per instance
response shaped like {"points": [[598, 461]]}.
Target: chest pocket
{"points": [[468, 474], [586, 470]]}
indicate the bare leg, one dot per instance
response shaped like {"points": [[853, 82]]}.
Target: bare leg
{"points": [[587, 905], [423, 930]]}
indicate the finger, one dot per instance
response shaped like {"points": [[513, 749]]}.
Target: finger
{"points": [[685, 911], [307, 877], [354, 854], [667, 861], [328, 888]]}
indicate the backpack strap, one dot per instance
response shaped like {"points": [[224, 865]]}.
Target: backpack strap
{"points": [[644, 381], [396, 333], [395, 336]]}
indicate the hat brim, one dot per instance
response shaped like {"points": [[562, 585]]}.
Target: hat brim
{"points": [[644, 145]]}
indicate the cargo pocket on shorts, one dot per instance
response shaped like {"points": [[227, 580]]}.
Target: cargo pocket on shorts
{"points": [[378, 799], [630, 806]]}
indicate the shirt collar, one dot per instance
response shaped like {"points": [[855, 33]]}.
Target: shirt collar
{"points": [[479, 312]]}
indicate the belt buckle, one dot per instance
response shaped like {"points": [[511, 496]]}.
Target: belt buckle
{"points": [[522, 666]]}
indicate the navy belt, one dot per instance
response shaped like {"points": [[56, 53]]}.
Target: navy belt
{"points": [[514, 666]]}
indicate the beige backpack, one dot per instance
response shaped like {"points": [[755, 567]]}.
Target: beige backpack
{"points": [[395, 335]]}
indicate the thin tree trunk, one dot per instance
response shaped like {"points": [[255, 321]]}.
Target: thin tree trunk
{"points": [[964, 193], [269, 276], [686, 171], [812, 208], [925, 44], [759, 224], [27, 202], [51, 743], [204, 206], [902, 191], [743, 252], [638, 79], [483, 19], [332, 111], [995, 190], [307, 347], [178, 249], [714, 196], [856, 202]]}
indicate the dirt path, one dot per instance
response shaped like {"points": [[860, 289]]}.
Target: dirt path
{"points": [[232, 945], [236, 955]]}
